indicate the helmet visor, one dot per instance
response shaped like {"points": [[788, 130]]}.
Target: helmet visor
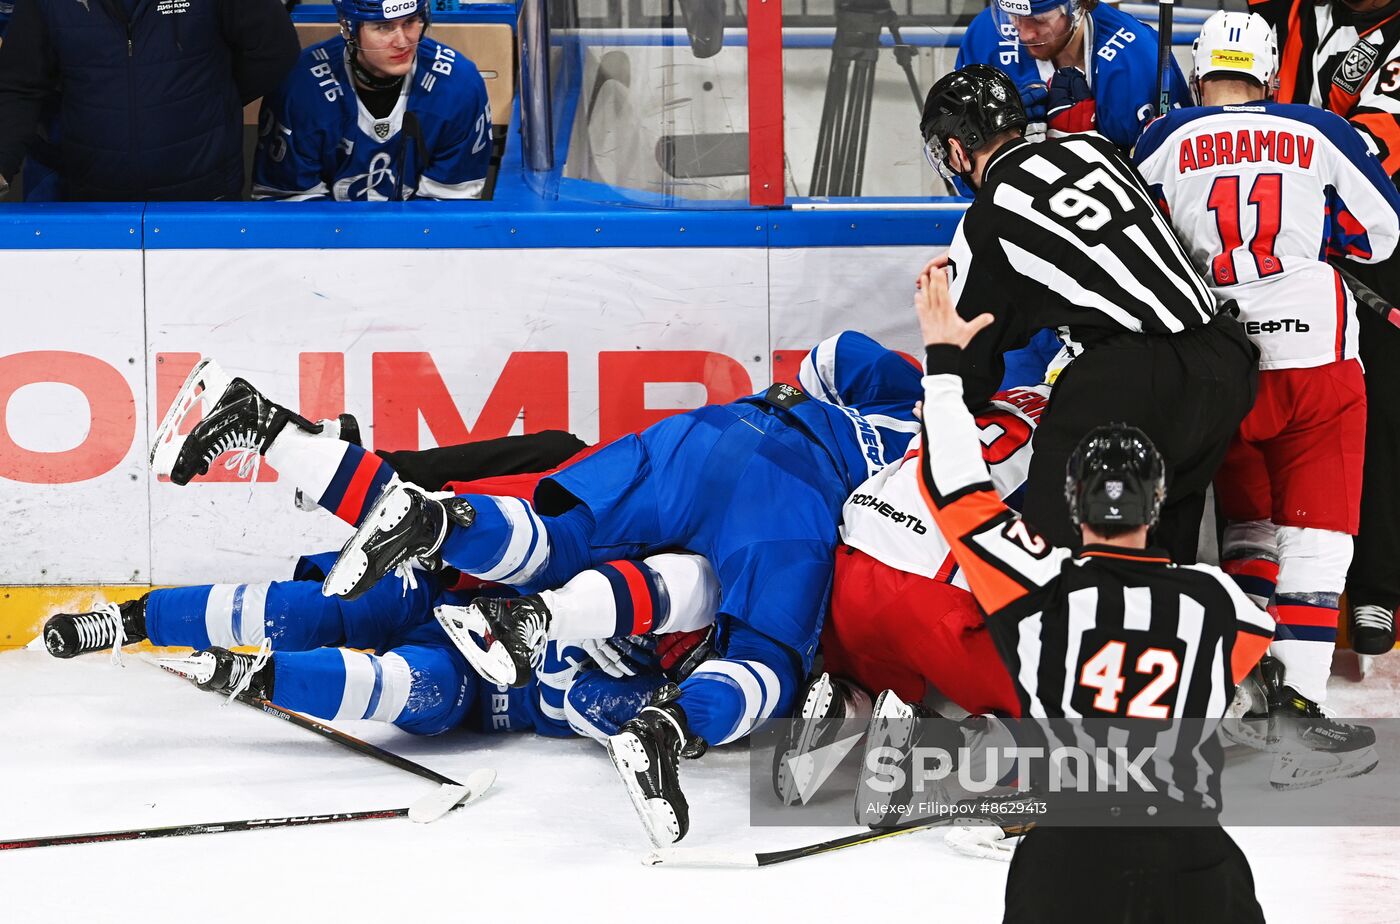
{"points": [[936, 153], [1036, 23]]}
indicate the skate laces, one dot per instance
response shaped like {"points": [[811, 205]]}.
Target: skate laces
{"points": [[1372, 616], [249, 668], [101, 627]]}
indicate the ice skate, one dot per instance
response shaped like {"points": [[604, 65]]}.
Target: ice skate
{"points": [[242, 421], [513, 632], [202, 387], [646, 752], [1372, 630], [893, 725], [67, 635], [815, 740], [405, 527], [227, 672]]}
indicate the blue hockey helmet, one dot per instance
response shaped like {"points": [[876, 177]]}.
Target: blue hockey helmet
{"points": [[1039, 22], [354, 13]]}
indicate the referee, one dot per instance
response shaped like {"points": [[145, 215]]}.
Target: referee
{"points": [[1063, 234], [1115, 633]]}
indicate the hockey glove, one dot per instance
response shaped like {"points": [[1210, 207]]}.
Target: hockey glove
{"points": [[1069, 103], [619, 657], [1033, 99], [681, 653]]}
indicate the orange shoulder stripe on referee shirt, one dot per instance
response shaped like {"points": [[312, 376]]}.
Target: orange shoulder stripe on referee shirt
{"points": [[991, 586]]}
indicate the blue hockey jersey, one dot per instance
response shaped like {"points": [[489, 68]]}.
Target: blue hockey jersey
{"points": [[1121, 68], [318, 141]]}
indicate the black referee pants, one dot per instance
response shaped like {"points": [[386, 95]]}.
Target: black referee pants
{"points": [[1188, 392], [1375, 569], [507, 455], [1130, 876]]}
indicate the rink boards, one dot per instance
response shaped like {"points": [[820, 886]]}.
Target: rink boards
{"points": [[431, 323]]}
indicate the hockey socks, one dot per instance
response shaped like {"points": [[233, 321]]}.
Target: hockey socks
{"points": [[343, 478], [726, 698], [669, 592]]}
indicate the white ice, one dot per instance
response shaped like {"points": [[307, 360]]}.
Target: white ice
{"points": [[85, 746]]}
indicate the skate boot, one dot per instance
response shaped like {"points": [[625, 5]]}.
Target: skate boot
{"points": [[646, 752], [1372, 629], [227, 672], [819, 737], [404, 528], [345, 428], [513, 632], [1246, 720], [242, 421], [901, 727], [112, 625]]}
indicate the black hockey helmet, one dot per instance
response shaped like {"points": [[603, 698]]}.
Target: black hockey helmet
{"points": [[972, 104], [1115, 477]]}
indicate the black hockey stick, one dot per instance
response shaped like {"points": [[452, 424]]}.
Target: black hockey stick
{"points": [[738, 859], [1164, 56], [1366, 295], [248, 824]]}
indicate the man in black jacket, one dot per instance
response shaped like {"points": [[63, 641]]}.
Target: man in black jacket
{"points": [[150, 92]]}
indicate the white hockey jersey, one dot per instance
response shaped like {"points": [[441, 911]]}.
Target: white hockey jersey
{"points": [[318, 141], [887, 519], [1262, 195]]}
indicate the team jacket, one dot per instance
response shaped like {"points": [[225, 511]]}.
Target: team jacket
{"points": [[1262, 195], [886, 518], [317, 140], [150, 106], [1326, 60], [1108, 633], [1121, 68]]}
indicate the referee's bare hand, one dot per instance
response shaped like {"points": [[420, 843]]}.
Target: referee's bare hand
{"points": [[939, 320]]}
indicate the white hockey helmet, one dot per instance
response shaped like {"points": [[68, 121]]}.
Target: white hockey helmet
{"points": [[1235, 45]]}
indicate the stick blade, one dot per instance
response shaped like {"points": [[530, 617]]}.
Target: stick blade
{"points": [[449, 796], [700, 857]]}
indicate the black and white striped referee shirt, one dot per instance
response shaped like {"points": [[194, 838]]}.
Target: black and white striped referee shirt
{"points": [[1109, 633], [1063, 234]]}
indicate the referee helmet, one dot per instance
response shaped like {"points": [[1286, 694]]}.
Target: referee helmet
{"points": [[972, 104], [1115, 477]]}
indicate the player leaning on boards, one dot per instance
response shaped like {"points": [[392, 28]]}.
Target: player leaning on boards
{"points": [[1063, 234], [1344, 56], [1080, 65], [1116, 630], [1262, 193], [381, 112]]}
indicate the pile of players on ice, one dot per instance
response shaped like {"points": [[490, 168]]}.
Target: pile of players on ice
{"points": [[672, 590]]}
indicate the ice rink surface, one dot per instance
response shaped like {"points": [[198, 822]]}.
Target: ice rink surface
{"points": [[90, 747]]}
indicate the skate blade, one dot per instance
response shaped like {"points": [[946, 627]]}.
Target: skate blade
{"points": [[492, 662], [393, 505], [1289, 772], [658, 818], [197, 668], [203, 386], [796, 766]]}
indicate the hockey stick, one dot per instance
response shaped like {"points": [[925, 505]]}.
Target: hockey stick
{"points": [[1366, 295], [738, 859], [1164, 56], [480, 781], [429, 808]]}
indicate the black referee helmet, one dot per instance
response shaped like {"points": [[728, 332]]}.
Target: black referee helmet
{"points": [[1115, 477], [972, 104]]}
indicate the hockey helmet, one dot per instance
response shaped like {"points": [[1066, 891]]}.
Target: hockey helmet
{"points": [[1115, 477], [1038, 22], [972, 104], [1235, 45], [354, 13]]}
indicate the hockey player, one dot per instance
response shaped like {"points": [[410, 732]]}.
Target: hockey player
{"points": [[1344, 56], [1261, 193], [1063, 234], [1092, 635], [756, 486], [1079, 65], [381, 112]]}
